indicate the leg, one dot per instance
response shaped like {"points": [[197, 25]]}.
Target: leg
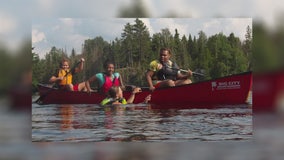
{"points": [[167, 83], [82, 87], [182, 82], [69, 87]]}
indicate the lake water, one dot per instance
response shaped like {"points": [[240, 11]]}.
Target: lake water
{"points": [[93, 123], [48, 125]]}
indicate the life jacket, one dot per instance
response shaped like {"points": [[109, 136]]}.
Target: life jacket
{"points": [[168, 72], [109, 83], [110, 101], [67, 77]]}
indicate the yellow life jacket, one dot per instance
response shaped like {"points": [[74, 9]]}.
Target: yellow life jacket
{"points": [[67, 79], [110, 101]]}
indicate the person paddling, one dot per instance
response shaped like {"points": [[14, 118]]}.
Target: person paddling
{"points": [[165, 72], [64, 75]]}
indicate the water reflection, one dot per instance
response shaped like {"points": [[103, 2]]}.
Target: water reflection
{"points": [[67, 114], [139, 123]]}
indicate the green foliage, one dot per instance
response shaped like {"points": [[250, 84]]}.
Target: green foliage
{"points": [[217, 55], [267, 49]]}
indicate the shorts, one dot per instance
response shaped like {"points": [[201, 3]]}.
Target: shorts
{"points": [[76, 87]]}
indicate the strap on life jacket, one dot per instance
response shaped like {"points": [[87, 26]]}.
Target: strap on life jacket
{"points": [[168, 72], [106, 85]]}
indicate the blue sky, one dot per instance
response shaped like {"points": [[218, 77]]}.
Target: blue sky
{"points": [[71, 32]]}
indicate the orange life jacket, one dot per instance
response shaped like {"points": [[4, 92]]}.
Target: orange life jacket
{"points": [[67, 77]]}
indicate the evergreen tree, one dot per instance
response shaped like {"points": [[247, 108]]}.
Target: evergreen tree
{"points": [[216, 55], [127, 45], [166, 38], [247, 47]]}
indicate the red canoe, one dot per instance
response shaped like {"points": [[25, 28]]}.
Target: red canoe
{"points": [[233, 89], [268, 91]]}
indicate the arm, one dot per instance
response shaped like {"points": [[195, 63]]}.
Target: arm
{"points": [[87, 83], [132, 96], [149, 75], [121, 83], [55, 79], [81, 66]]}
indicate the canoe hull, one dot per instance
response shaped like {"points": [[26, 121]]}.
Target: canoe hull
{"points": [[232, 89], [268, 91]]}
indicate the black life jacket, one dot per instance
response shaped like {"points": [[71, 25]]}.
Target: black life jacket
{"points": [[168, 72]]}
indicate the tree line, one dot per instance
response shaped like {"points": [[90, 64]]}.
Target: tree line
{"points": [[216, 56]]}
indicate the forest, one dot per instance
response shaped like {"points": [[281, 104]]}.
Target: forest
{"points": [[215, 56]]}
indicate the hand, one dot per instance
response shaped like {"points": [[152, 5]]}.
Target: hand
{"points": [[189, 73], [60, 78], [123, 88], [89, 91], [82, 60], [147, 99], [136, 90], [152, 88]]}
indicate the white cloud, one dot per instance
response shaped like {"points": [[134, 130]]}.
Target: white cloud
{"points": [[211, 24], [239, 26], [68, 21], [162, 23], [180, 24], [46, 7], [71, 33], [75, 41], [8, 24], [37, 36], [55, 28], [147, 22], [268, 11]]}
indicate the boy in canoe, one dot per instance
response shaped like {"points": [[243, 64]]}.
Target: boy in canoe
{"points": [[106, 79], [165, 73], [115, 96], [63, 76]]}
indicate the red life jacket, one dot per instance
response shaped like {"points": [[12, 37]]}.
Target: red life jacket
{"points": [[108, 83]]}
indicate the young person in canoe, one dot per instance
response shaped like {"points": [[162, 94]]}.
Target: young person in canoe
{"points": [[115, 96], [165, 73], [106, 79], [63, 76]]}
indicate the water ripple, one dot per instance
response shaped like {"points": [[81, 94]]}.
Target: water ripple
{"points": [[86, 123]]}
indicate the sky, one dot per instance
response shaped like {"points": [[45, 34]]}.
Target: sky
{"points": [[69, 33], [20, 20]]}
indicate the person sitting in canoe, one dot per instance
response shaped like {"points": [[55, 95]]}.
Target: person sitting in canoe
{"points": [[106, 79], [63, 76], [165, 72], [115, 96]]}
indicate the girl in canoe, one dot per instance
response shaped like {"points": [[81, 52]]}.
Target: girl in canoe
{"points": [[165, 73], [115, 96], [106, 79], [63, 76]]}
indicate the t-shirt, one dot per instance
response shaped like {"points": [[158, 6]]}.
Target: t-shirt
{"points": [[156, 65], [164, 71]]}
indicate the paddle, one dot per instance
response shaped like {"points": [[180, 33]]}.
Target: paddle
{"points": [[39, 100], [195, 73], [185, 71]]}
